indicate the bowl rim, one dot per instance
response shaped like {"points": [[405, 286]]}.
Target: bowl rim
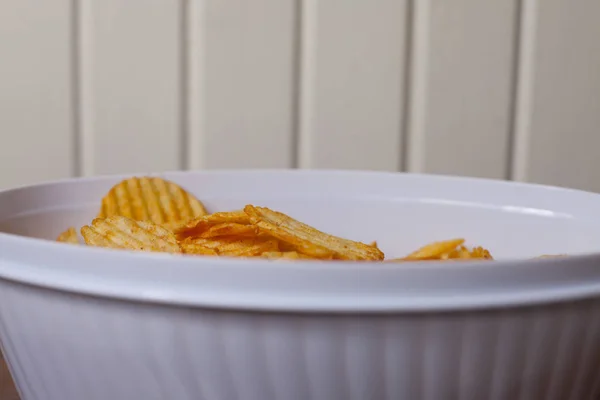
{"points": [[296, 171], [301, 286]]}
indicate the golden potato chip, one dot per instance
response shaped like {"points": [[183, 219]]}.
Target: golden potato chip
{"points": [[197, 249], [325, 254], [68, 236], [200, 225], [374, 244], [431, 252], [235, 246], [286, 255], [459, 253], [434, 250], [308, 240], [477, 253], [230, 229], [481, 253], [152, 199], [120, 232]]}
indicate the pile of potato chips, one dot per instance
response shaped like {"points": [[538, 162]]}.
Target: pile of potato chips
{"points": [[153, 214]]}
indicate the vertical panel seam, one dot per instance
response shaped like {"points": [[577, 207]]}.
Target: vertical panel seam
{"points": [[306, 78], [296, 84], [183, 80], [417, 87], [194, 93], [523, 91], [77, 152], [81, 78], [513, 89], [405, 85]]}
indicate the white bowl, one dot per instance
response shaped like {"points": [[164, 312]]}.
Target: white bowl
{"points": [[83, 323]]}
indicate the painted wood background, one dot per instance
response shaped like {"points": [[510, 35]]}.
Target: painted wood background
{"points": [[501, 88]]}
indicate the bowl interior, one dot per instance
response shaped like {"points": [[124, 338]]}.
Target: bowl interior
{"points": [[401, 212]]}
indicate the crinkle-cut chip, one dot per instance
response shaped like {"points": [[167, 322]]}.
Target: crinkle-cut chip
{"points": [[286, 255], [230, 229], [120, 232], [481, 253], [308, 249], [308, 240], [323, 254], [434, 250], [68, 236], [253, 250], [197, 249], [152, 199], [235, 246], [459, 253], [477, 253], [200, 225]]}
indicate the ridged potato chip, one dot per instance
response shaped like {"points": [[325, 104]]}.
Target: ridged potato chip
{"points": [[230, 229], [120, 232], [202, 224], [152, 199], [286, 255], [481, 253], [308, 240], [69, 236], [463, 253], [439, 251], [434, 250], [234, 246], [190, 247], [459, 253]]}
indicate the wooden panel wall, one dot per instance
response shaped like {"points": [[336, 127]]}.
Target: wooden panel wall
{"points": [[461, 86], [557, 134], [242, 92], [352, 80], [129, 72], [503, 89], [36, 87]]}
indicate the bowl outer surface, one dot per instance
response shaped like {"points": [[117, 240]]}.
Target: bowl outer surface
{"points": [[260, 330]]}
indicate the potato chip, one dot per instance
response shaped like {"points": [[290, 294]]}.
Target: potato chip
{"points": [[325, 254], [481, 253], [69, 236], [230, 229], [197, 249], [286, 255], [202, 224], [434, 250], [308, 240], [235, 246], [462, 253], [459, 253], [120, 232], [431, 252], [152, 199]]}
